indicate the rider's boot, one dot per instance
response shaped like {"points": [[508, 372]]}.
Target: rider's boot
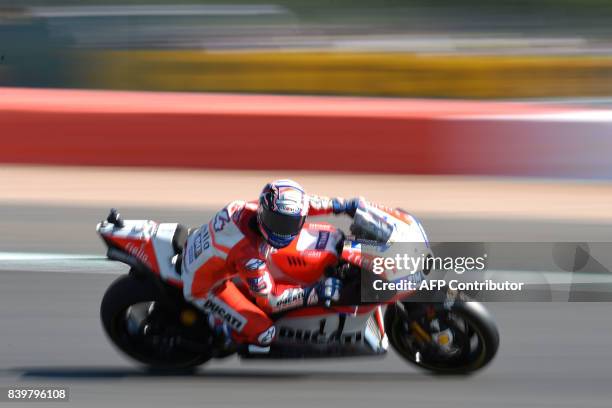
{"points": [[222, 333], [224, 340]]}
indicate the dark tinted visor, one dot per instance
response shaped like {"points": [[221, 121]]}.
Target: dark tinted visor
{"points": [[282, 224]]}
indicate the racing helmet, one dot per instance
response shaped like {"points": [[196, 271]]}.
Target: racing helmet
{"points": [[283, 207]]}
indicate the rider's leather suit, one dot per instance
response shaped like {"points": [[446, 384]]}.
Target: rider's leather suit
{"points": [[225, 273]]}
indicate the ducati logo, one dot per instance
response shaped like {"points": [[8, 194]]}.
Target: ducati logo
{"points": [[219, 308]]}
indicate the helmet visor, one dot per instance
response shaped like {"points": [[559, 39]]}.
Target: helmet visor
{"points": [[282, 224]]}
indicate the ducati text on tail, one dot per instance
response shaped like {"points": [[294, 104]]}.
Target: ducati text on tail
{"points": [[145, 314]]}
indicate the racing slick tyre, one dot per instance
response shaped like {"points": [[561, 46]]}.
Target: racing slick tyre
{"points": [[475, 338], [135, 321]]}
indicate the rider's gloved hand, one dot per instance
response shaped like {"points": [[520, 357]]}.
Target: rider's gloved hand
{"points": [[327, 290], [349, 206]]}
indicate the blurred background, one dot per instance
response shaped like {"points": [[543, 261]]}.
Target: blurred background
{"points": [[430, 48]]}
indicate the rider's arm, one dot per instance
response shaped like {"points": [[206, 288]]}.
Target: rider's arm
{"points": [[270, 296], [273, 297], [320, 205]]}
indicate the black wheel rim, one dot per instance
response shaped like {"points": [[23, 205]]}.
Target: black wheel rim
{"points": [[467, 337], [151, 337]]}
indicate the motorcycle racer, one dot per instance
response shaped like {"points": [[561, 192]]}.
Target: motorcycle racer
{"points": [[224, 267]]}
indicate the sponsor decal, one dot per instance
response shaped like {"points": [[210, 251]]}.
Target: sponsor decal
{"points": [[257, 284], [266, 337], [138, 252], [220, 309], [197, 245], [289, 298], [221, 219], [318, 336], [322, 240], [201, 242], [312, 254], [290, 208], [254, 264], [313, 298], [320, 227]]}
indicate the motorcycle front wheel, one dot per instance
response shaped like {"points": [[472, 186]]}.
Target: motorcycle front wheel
{"points": [[475, 338]]}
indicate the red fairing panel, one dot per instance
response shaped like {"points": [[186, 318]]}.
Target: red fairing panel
{"points": [[306, 259]]}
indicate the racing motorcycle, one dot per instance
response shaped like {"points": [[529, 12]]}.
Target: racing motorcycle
{"points": [[146, 316]]}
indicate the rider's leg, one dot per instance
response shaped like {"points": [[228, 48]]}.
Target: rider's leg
{"points": [[249, 324]]}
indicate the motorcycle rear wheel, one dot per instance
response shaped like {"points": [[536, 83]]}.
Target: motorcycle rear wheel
{"points": [[125, 298]]}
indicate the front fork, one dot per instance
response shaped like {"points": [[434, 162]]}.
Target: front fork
{"points": [[423, 335]]}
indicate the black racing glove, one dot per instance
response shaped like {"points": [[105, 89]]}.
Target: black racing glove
{"points": [[341, 206]]}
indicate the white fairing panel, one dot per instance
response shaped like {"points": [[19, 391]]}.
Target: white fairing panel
{"points": [[224, 229], [359, 330], [407, 238], [307, 239], [164, 251], [402, 231], [319, 240]]}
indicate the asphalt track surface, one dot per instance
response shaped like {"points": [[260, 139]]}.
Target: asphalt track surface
{"points": [[551, 355]]}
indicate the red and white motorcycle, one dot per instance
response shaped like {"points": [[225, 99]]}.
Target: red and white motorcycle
{"points": [[146, 316]]}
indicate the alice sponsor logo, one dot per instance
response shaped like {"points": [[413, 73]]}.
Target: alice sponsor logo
{"points": [[137, 251]]}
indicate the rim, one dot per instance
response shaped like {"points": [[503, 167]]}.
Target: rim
{"points": [[150, 334], [468, 349]]}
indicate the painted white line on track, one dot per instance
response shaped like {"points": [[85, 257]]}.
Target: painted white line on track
{"points": [[157, 10], [64, 263], [26, 256]]}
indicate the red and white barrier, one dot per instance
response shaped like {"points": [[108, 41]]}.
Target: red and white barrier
{"points": [[296, 132]]}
